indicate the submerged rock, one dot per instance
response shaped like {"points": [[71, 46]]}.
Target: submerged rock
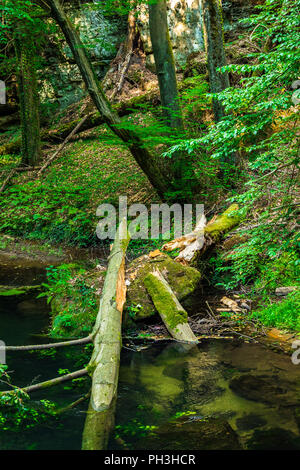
{"points": [[182, 279], [193, 433], [266, 389], [273, 439]]}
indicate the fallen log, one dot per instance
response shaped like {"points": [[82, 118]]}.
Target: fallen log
{"points": [[94, 119], [48, 383], [193, 245], [105, 360], [171, 311]]}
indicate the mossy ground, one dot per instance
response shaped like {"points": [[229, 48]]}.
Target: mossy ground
{"points": [[61, 206]]}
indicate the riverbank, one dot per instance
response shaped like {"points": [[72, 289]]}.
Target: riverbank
{"points": [[73, 279]]}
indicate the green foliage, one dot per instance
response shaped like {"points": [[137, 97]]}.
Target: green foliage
{"points": [[283, 314], [71, 289], [15, 410], [260, 129], [133, 429]]}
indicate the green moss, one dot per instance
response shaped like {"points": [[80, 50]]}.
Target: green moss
{"points": [[183, 280], [91, 369], [223, 223], [164, 302], [4, 292]]}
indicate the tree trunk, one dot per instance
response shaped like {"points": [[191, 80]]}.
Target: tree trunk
{"points": [[105, 360], [164, 63], [29, 99], [143, 157], [215, 49], [166, 73]]}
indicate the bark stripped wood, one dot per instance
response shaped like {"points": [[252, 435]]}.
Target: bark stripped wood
{"points": [[62, 146], [171, 311], [37, 347], [123, 75], [192, 246], [105, 360], [147, 162], [189, 244], [48, 383]]}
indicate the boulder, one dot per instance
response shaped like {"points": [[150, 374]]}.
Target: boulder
{"points": [[182, 279]]}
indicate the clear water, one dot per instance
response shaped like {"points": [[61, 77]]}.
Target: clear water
{"points": [[261, 410]]}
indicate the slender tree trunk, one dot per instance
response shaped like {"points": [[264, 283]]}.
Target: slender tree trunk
{"points": [[166, 73], [165, 65], [143, 157], [29, 99], [215, 49]]}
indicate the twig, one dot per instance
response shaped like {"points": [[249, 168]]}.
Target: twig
{"points": [[74, 404]]}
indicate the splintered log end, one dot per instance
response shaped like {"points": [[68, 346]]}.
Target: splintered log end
{"points": [[121, 288]]}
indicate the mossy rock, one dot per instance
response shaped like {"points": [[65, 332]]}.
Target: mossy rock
{"points": [[7, 291], [196, 65], [182, 279]]}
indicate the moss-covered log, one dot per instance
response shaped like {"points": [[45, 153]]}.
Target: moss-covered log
{"points": [[94, 119], [194, 245], [183, 280], [104, 363], [217, 228], [166, 303]]}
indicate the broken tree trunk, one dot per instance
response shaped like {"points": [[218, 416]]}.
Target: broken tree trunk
{"points": [[193, 245], [171, 311], [104, 363]]}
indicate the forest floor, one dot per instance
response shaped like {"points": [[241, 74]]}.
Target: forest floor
{"points": [[53, 217]]}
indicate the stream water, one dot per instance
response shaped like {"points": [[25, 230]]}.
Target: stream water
{"points": [[221, 394]]}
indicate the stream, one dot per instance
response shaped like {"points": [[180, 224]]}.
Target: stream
{"points": [[220, 394]]}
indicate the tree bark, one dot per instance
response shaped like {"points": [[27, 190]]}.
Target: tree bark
{"points": [[166, 73], [215, 50], [105, 360], [143, 157], [29, 99], [164, 63]]}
